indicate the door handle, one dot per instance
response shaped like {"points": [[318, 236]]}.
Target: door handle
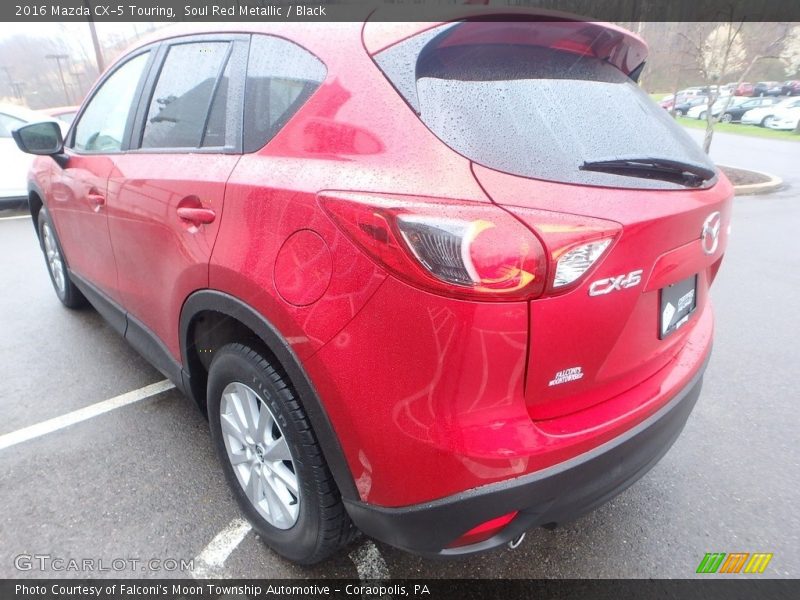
{"points": [[196, 216], [96, 199]]}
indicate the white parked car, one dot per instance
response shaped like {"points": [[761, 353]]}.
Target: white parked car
{"points": [[14, 175], [764, 115], [785, 119], [699, 111]]}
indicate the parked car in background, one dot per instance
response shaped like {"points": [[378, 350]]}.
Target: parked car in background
{"points": [[683, 107], [667, 101], [699, 111], [791, 88], [65, 114], [15, 164], [763, 116], [734, 113], [743, 89], [767, 88], [785, 119], [251, 204]]}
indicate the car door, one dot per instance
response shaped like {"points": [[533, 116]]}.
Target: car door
{"points": [[165, 195], [78, 192]]}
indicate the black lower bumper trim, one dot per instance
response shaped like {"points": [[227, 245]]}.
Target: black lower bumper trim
{"points": [[553, 495]]}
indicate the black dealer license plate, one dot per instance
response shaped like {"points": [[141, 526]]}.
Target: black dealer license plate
{"points": [[678, 301]]}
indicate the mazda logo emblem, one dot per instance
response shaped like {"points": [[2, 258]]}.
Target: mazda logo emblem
{"points": [[709, 236]]}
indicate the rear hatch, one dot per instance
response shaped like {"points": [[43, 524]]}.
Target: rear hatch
{"points": [[554, 124]]}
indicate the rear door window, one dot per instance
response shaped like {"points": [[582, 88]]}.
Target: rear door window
{"points": [[188, 105], [534, 111]]}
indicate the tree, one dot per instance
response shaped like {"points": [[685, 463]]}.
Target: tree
{"points": [[728, 49], [717, 53]]}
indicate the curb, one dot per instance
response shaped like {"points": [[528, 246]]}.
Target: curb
{"points": [[750, 189]]}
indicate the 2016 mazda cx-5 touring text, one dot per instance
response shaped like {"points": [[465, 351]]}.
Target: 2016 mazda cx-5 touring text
{"points": [[437, 282]]}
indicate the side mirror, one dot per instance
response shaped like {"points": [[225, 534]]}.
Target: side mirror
{"points": [[42, 138]]}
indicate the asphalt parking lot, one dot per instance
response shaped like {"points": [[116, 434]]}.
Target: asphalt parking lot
{"points": [[141, 480]]}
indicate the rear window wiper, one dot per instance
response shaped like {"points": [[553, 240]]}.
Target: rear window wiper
{"points": [[688, 174]]}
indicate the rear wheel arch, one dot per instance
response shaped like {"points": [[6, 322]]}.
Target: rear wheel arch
{"points": [[210, 319]]}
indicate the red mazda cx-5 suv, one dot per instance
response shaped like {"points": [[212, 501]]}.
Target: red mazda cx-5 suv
{"points": [[436, 282]]}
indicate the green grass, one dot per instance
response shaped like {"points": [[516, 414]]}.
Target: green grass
{"points": [[739, 129]]}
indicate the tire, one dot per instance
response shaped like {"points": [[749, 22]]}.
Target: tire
{"points": [[678, 113], [766, 121], [69, 295], [701, 116], [727, 118], [299, 511]]}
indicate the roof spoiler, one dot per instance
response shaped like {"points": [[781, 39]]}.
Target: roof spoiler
{"points": [[620, 47]]}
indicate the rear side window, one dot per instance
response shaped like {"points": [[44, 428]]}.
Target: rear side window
{"points": [[534, 111], [281, 76], [188, 104]]}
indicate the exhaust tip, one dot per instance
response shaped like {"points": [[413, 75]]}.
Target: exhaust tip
{"points": [[514, 544]]}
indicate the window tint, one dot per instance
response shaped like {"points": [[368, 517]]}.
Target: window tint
{"points": [[281, 76], [7, 123], [183, 96], [535, 111], [102, 124]]}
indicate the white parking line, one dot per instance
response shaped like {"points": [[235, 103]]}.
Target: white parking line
{"points": [[28, 433], [369, 562], [208, 564], [15, 217]]}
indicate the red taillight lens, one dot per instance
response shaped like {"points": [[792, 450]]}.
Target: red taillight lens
{"points": [[484, 531], [464, 249]]}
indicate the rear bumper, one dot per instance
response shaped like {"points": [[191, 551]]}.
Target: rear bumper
{"points": [[553, 495]]}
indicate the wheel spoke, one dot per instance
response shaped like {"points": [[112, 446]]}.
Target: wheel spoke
{"points": [[278, 450], [239, 458], [235, 411], [286, 477], [254, 488], [231, 427], [249, 408], [264, 425], [277, 504]]}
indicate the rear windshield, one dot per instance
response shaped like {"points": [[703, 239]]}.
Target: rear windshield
{"points": [[535, 111]]}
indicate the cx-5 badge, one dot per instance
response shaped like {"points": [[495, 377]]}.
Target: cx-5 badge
{"points": [[610, 284]]}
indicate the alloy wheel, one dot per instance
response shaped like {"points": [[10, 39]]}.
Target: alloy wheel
{"points": [[260, 456], [54, 261]]}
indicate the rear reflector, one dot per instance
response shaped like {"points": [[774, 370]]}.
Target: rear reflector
{"points": [[484, 531]]}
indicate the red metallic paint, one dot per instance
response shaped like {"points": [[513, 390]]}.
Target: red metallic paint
{"points": [[458, 387]]}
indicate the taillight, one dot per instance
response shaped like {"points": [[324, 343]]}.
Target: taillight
{"points": [[575, 243], [464, 249], [472, 250]]}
